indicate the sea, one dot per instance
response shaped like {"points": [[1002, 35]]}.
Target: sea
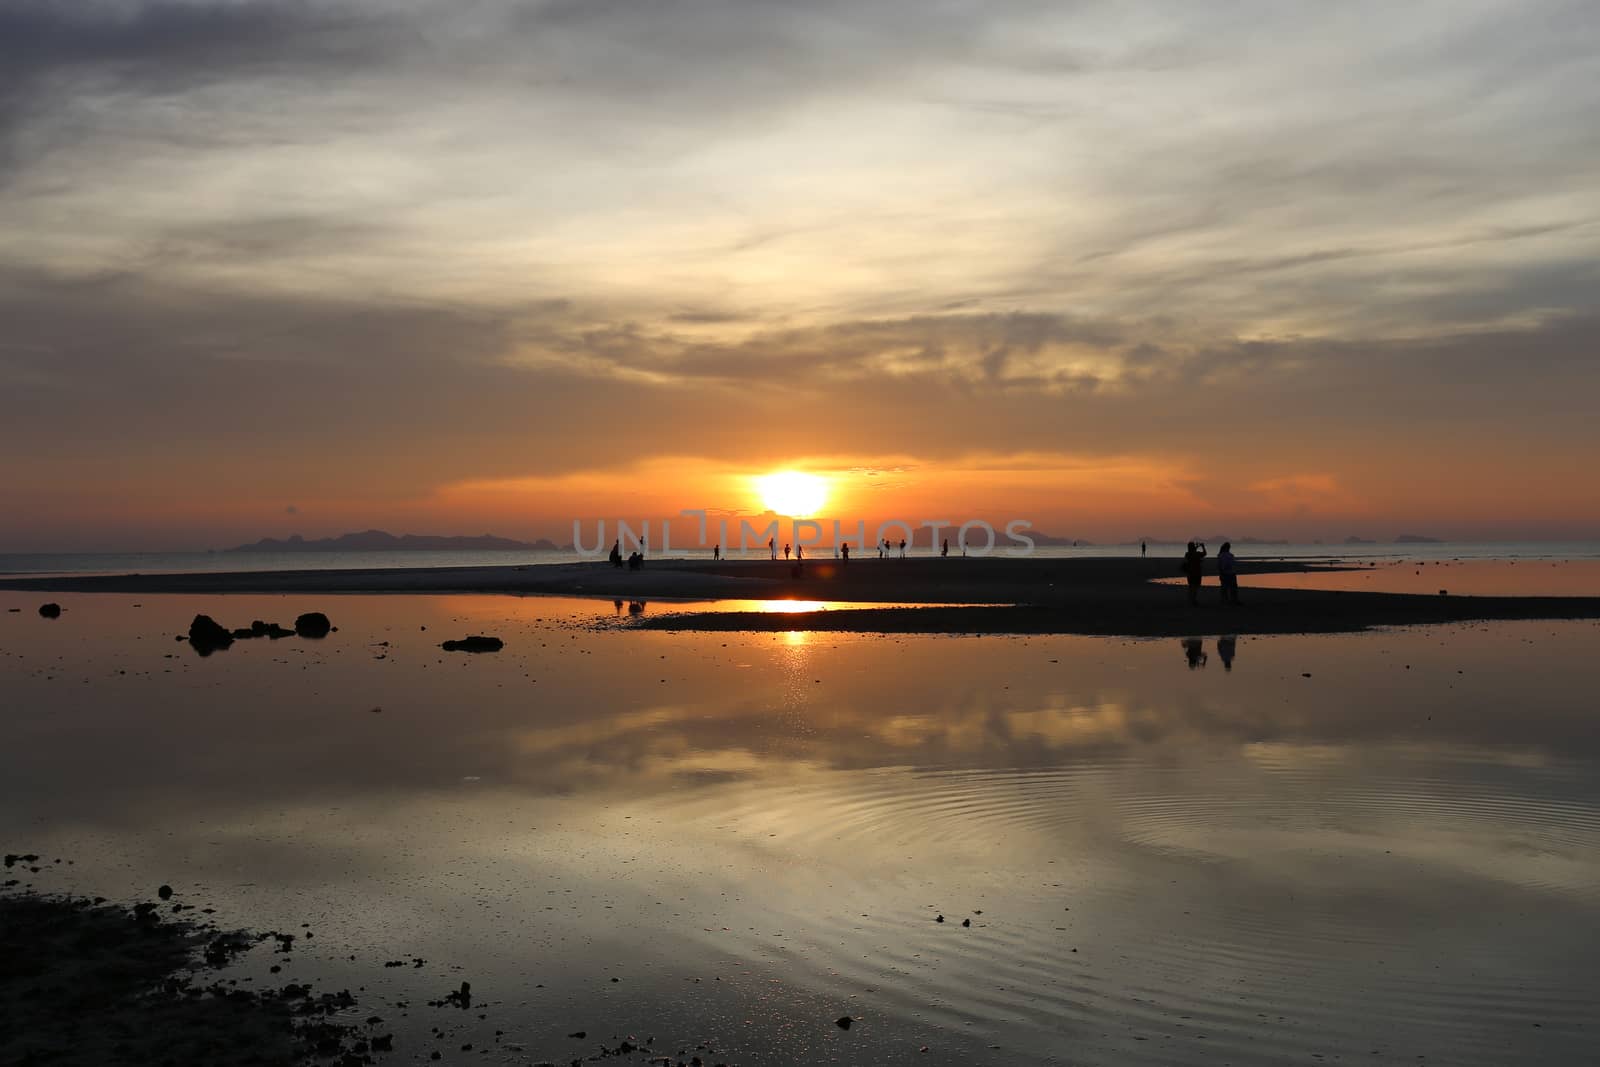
{"points": [[212, 561], [765, 849]]}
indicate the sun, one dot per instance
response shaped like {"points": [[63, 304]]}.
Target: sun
{"points": [[793, 493]]}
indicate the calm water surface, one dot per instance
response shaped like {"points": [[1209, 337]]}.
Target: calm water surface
{"points": [[1169, 852]]}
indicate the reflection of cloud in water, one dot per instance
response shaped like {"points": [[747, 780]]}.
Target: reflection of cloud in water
{"points": [[565, 707]]}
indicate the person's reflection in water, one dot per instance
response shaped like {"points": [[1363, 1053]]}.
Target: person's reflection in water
{"points": [[635, 607], [1225, 646], [616, 605], [1194, 650]]}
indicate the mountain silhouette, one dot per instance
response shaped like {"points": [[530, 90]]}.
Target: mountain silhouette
{"points": [[382, 541]]}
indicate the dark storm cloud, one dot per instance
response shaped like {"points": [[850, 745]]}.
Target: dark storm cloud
{"points": [[51, 51], [169, 42], [722, 54]]}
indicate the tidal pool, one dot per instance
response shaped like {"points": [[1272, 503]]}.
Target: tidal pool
{"points": [[1377, 847]]}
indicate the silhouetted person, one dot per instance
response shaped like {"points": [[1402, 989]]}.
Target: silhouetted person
{"points": [[636, 560], [716, 551], [1194, 650], [844, 552], [617, 606], [772, 546], [799, 551], [616, 553], [786, 550], [944, 549], [1194, 568], [641, 548], [1225, 646], [1143, 551], [1227, 574], [902, 548]]}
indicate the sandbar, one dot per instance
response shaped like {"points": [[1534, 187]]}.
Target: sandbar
{"points": [[1107, 596]]}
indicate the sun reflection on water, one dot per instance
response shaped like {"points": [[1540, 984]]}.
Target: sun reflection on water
{"points": [[789, 606]]}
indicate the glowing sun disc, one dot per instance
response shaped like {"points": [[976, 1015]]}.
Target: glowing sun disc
{"points": [[792, 493]]}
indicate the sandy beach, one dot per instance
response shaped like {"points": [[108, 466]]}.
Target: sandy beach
{"points": [[1104, 596]]}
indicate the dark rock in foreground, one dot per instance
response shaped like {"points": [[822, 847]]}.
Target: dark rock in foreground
{"points": [[474, 644], [50, 611], [263, 629], [207, 635], [85, 984], [312, 624]]}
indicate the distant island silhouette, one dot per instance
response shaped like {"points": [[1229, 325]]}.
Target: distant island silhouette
{"points": [[382, 541]]}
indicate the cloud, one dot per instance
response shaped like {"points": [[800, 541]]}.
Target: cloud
{"points": [[53, 55], [156, 392], [363, 250]]}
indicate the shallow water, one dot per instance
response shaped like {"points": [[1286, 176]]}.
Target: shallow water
{"points": [[1169, 852], [1459, 577]]}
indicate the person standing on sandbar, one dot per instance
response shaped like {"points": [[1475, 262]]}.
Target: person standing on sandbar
{"points": [[1194, 568], [1228, 574]]}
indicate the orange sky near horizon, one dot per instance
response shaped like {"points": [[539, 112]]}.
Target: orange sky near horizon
{"points": [[1098, 499]]}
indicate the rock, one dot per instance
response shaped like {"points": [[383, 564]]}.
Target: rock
{"points": [[474, 644], [50, 611], [938, 918], [579, 1034], [312, 624], [207, 635], [843, 1022], [262, 629], [383, 1043], [165, 892], [966, 922]]}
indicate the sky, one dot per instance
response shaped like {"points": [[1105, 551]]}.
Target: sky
{"points": [[1120, 269]]}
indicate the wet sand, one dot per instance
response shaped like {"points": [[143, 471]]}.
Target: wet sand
{"points": [[87, 982], [1105, 596]]}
